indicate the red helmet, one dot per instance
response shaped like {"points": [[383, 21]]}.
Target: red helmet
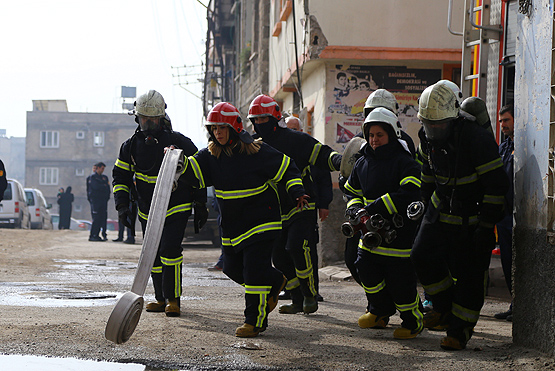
{"points": [[264, 105], [225, 113]]}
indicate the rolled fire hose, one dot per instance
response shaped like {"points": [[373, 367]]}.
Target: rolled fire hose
{"points": [[125, 315]]}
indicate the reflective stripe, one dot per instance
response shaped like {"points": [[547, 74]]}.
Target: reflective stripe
{"points": [[357, 192], [289, 215], [292, 284], [492, 165], [389, 204], [459, 181], [330, 162], [262, 292], [171, 261], [435, 200], [386, 251], [240, 193], [198, 172], [308, 273], [355, 201], [293, 182], [422, 153], [282, 169], [174, 210], [411, 179], [374, 290], [413, 307], [146, 178], [121, 187], [156, 269], [314, 154], [457, 220], [272, 226], [492, 199], [123, 165], [436, 288], [427, 178], [465, 314], [368, 201]]}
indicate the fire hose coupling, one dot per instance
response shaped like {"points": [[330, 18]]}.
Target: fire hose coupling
{"points": [[375, 229], [415, 210]]}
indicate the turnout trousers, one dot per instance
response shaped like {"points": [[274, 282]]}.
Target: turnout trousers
{"points": [[166, 271], [452, 272], [252, 268], [291, 255], [390, 285]]}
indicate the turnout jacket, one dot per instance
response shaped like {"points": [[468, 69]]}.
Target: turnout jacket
{"points": [[137, 168], [385, 181], [305, 151], [245, 189], [463, 181]]}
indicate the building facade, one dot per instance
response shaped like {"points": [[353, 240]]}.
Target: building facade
{"points": [[62, 146]]}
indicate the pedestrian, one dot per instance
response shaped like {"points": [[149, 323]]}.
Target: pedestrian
{"points": [[135, 172], [463, 187], [3, 180], [382, 184], [98, 187], [298, 225], [323, 189], [505, 226], [243, 173], [65, 200]]}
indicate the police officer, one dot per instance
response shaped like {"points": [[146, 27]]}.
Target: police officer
{"points": [[383, 183], [243, 173], [463, 188], [98, 187], [140, 159], [298, 226]]}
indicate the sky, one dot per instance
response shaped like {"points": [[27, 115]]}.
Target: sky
{"points": [[84, 51]]}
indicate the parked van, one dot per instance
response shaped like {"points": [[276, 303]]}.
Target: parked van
{"points": [[40, 216], [14, 212]]}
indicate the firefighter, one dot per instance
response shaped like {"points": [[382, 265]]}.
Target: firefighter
{"points": [[140, 159], [243, 173], [463, 187], [378, 98], [298, 226], [384, 182]]}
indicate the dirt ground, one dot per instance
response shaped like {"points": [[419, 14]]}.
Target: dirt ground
{"points": [[57, 292]]}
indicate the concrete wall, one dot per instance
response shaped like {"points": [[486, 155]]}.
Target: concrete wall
{"points": [[533, 258]]}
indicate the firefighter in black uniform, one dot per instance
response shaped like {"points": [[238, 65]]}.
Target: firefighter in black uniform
{"points": [[463, 186], [298, 226], [384, 182], [378, 98], [3, 180], [140, 159], [244, 173]]}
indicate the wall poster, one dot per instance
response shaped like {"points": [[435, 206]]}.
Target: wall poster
{"points": [[350, 85]]}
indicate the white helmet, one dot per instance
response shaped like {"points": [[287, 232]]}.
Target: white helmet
{"points": [[382, 115], [455, 88], [437, 109], [150, 104], [381, 98]]}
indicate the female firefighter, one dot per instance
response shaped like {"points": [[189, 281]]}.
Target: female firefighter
{"points": [[243, 173], [382, 184]]}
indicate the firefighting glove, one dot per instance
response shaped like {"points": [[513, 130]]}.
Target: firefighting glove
{"points": [[201, 216], [484, 242], [342, 181], [351, 212], [124, 215]]}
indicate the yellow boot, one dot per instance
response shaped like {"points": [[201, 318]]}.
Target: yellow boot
{"points": [[248, 331], [172, 308], [156, 306], [369, 320]]}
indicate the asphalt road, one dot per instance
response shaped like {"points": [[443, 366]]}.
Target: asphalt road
{"points": [[58, 289]]}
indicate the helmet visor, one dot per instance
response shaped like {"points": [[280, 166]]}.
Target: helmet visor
{"points": [[438, 130]]}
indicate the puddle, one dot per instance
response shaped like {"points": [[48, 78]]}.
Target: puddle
{"points": [[58, 290], [34, 363]]}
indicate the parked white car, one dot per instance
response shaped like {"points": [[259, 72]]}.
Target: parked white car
{"points": [[14, 212], [38, 208]]}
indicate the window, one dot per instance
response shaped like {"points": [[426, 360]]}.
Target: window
{"points": [[49, 139], [79, 172], [80, 135], [98, 140], [48, 176]]}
